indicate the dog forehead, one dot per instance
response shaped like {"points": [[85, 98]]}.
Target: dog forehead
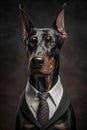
{"points": [[43, 31]]}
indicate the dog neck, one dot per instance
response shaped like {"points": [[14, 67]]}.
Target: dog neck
{"points": [[43, 83]]}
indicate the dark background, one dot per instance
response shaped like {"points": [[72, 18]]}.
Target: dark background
{"points": [[13, 60]]}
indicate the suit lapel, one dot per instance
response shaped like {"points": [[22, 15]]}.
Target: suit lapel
{"points": [[27, 112], [63, 106]]}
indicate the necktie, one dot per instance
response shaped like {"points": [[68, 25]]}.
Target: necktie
{"points": [[43, 109]]}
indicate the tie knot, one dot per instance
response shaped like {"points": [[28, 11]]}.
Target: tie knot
{"points": [[43, 96]]}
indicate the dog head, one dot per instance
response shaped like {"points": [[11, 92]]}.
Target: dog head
{"points": [[43, 47]]}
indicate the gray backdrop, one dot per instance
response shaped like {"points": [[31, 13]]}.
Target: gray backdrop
{"points": [[13, 59]]}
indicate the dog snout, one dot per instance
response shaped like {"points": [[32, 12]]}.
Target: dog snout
{"points": [[37, 62]]}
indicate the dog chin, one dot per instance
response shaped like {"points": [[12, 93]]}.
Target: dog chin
{"points": [[41, 73]]}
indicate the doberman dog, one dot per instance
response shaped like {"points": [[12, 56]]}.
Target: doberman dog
{"points": [[43, 48]]}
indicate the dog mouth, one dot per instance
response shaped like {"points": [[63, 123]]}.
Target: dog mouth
{"points": [[42, 66]]}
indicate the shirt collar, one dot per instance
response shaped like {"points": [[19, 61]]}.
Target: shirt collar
{"points": [[55, 93], [30, 92]]}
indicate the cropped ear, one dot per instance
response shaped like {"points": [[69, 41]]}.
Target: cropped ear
{"points": [[27, 25], [59, 23]]}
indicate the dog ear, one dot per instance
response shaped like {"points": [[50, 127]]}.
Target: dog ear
{"points": [[59, 23], [27, 25]]}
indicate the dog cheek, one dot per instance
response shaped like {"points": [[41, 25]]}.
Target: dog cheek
{"points": [[52, 64], [60, 42], [29, 69], [56, 57], [55, 51], [51, 52], [28, 53], [29, 65], [55, 54]]}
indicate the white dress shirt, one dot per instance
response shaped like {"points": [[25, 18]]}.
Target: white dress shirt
{"points": [[53, 100]]}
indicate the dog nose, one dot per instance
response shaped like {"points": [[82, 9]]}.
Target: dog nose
{"points": [[37, 61]]}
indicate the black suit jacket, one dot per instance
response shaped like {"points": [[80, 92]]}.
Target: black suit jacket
{"points": [[62, 119]]}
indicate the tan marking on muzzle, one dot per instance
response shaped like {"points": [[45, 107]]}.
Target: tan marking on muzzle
{"points": [[48, 65]]}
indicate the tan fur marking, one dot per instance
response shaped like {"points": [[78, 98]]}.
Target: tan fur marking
{"points": [[28, 126], [48, 65], [48, 82], [60, 126]]}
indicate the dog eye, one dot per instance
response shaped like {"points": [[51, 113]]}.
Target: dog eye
{"points": [[48, 39], [33, 40]]}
